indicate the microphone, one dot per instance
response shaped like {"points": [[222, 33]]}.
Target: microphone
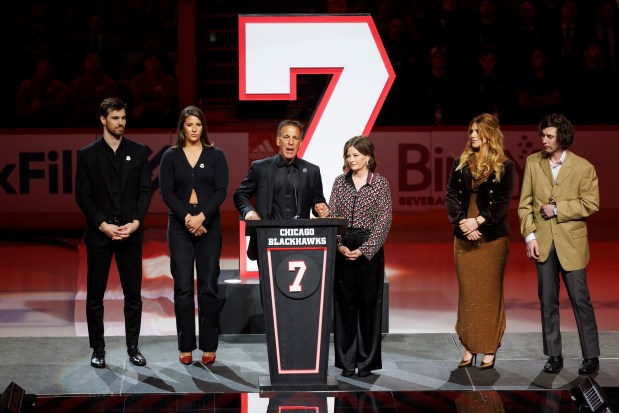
{"points": [[294, 187]]}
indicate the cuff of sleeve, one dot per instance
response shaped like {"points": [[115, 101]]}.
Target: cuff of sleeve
{"points": [[530, 237]]}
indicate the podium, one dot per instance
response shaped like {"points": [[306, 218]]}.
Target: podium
{"points": [[296, 260]]}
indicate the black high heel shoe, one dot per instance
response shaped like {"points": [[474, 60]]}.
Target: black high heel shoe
{"points": [[469, 362], [487, 365], [348, 372]]}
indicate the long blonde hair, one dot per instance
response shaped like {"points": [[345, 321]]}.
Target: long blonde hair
{"points": [[489, 130]]}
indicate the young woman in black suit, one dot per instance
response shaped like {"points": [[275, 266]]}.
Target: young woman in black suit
{"points": [[193, 179]]}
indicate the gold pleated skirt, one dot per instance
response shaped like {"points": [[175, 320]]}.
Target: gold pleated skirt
{"points": [[480, 267]]}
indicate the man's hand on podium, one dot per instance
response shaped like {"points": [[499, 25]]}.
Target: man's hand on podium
{"points": [[252, 216], [322, 209]]}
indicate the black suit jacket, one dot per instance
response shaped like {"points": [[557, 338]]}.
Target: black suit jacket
{"points": [[259, 183], [93, 188]]}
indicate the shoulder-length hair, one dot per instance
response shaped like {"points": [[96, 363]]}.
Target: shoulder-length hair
{"points": [[565, 130], [488, 129], [365, 146], [180, 133]]}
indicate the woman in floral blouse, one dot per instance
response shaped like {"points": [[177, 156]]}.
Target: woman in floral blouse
{"points": [[361, 196]]}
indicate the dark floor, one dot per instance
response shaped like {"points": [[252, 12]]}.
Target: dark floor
{"points": [[44, 351], [343, 402], [419, 374]]}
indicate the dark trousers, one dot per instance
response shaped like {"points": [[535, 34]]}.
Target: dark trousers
{"points": [[358, 307], [128, 256], [578, 292], [187, 250]]}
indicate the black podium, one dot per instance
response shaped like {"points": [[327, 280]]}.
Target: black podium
{"points": [[296, 259]]}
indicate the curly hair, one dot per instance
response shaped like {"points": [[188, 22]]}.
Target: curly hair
{"points": [[489, 130]]}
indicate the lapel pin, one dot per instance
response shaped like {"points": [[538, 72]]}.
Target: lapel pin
{"points": [[304, 170], [128, 158], [202, 165]]}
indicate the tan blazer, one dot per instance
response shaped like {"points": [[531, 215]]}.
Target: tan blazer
{"points": [[577, 196]]}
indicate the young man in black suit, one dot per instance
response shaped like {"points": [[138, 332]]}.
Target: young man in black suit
{"points": [[113, 190], [284, 186]]}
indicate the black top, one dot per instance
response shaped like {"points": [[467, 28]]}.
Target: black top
{"points": [[209, 177], [114, 173], [285, 190]]}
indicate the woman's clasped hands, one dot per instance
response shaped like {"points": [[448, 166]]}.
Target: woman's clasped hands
{"points": [[193, 223]]}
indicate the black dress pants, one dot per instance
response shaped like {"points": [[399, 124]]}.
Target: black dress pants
{"points": [[128, 254], [358, 307], [191, 255]]}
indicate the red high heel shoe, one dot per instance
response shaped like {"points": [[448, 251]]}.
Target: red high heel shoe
{"points": [[208, 359], [185, 359]]}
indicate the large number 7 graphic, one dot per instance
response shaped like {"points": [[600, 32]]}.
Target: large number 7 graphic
{"points": [[296, 286], [273, 50]]}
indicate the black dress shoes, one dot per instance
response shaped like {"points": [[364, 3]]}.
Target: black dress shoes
{"points": [[363, 373], [348, 372], [589, 366], [98, 358], [554, 364], [135, 356]]}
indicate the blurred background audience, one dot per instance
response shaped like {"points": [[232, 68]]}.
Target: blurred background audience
{"points": [[517, 59]]}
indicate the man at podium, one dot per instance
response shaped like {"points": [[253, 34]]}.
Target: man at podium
{"points": [[284, 186]]}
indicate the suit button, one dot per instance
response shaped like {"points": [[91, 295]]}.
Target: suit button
{"points": [[460, 191], [491, 191]]}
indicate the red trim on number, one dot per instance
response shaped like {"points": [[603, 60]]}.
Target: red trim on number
{"points": [[320, 314], [388, 83], [367, 19], [242, 58], [336, 72]]}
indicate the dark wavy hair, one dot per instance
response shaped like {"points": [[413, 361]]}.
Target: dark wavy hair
{"points": [[110, 104], [365, 146], [565, 130], [180, 134]]}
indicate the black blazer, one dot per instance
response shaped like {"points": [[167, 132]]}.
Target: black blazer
{"points": [[209, 178], [93, 188], [493, 200], [259, 183]]}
